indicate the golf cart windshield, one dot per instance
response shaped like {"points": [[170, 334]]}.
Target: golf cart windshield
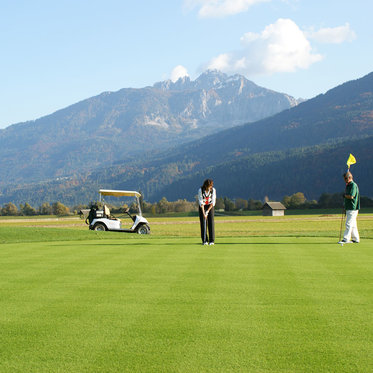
{"points": [[122, 193]]}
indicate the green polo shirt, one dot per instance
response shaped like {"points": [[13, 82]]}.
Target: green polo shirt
{"points": [[352, 190]]}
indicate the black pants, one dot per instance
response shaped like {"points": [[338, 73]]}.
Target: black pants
{"points": [[210, 237]]}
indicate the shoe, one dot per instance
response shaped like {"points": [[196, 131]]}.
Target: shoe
{"points": [[354, 241], [211, 243], [205, 243], [342, 242]]}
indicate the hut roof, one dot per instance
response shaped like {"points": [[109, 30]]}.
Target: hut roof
{"points": [[275, 205]]}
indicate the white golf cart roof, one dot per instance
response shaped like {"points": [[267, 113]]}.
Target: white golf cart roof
{"points": [[119, 193]]}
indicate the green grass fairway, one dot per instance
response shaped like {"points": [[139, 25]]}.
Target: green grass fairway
{"points": [[79, 301]]}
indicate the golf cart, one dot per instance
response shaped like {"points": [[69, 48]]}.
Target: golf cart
{"points": [[101, 219]]}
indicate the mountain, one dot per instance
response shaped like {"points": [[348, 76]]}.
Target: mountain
{"points": [[120, 125], [304, 148], [300, 149]]}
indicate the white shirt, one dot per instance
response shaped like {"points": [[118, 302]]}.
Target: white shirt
{"points": [[208, 198]]}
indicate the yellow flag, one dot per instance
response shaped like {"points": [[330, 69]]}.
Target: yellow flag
{"points": [[351, 160]]}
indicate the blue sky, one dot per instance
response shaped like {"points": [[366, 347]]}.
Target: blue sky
{"points": [[56, 53]]}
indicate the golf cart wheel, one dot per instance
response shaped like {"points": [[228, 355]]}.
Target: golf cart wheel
{"points": [[99, 227], [143, 229]]}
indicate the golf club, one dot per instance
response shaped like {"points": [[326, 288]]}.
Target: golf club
{"points": [[205, 228]]}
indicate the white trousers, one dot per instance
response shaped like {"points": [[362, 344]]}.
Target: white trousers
{"points": [[351, 232]]}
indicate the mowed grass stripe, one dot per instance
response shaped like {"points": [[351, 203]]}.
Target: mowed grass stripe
{"points": [[332, 300], [158, 338], [268, 307], [228, 325], [59, 294], [171, 304], [91, 289]]}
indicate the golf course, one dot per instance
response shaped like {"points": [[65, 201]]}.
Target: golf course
{"points": [[274, 294]]}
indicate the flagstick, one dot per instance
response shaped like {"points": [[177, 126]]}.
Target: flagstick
{"points": [[343, 212], [340, 229]]}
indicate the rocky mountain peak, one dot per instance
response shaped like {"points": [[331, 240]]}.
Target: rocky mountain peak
{"points": [[207, 80], [210, 79], [131, 120]]}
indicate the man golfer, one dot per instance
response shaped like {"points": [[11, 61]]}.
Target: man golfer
{"points": [[206, 201], [352, 206]]}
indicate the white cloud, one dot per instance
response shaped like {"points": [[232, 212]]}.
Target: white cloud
{"points": [[280, 47], [221, 62], [220, 8], [178, 72], [333, 35]]}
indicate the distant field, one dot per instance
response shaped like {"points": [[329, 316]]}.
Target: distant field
{"points": [[322, 224], [274, 294]]}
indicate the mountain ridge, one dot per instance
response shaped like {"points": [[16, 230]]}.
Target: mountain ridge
{"points": [[295, 150], [341, 116], [117, 125]]}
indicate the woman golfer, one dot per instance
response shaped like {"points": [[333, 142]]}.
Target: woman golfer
{"points": [[206, 201]]}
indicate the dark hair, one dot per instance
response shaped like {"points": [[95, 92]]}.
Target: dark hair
{"points": [[206, 184], [347, 175]]}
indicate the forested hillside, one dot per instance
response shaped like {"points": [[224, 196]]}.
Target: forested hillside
{"points": [[311, 170], [301, 149]]}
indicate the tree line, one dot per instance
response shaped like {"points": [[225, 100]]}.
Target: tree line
{"points": [[57, 208], [294, 201]]}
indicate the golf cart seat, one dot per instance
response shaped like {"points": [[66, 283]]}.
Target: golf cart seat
{"points": [[107, 213]]}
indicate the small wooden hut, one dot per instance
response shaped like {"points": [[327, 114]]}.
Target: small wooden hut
{"points": [[273, 209]]}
